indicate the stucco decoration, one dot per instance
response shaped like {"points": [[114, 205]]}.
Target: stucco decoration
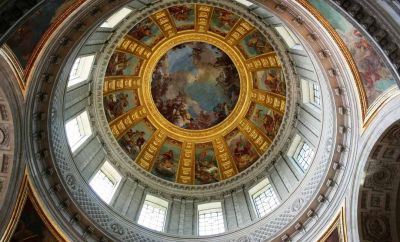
{"points": [[6, 145], [378, 204], [205, 98]]}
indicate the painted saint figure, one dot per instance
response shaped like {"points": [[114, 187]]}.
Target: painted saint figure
{"points": [[206, 170], [195, 85], [133, 142], [165, 164], [115, 104]]}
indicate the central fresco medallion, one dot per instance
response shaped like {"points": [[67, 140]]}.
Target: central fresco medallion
{"points": [[194, 94], [195, 85]]}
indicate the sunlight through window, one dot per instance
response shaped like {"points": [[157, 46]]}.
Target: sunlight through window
{"points": [[78, 130], [105, 182], [154, 212], [244, 2], [264, 198], [304, 156], [210, 219], [80, 70], [116, 18], [290, 39]]}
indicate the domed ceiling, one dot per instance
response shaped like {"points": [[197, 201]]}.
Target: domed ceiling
{"points": [[194, 94]]}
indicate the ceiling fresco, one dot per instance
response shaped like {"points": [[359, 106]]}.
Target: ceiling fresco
{"points": [[194, 94], [195, 85]]}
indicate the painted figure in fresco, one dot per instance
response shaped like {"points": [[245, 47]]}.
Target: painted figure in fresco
{"points": [[143, 29], [258, 42], [370, 66], [270, 121], [267, 120], [180, 13], [195, 86], [221, 111], [118, 63], [225, 19], [274, 82], [115, 105], [165, 164], [133, 142], [242, 154], [206, 170]]}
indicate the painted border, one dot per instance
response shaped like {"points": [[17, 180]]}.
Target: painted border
{"points": [[345, 51], [340, 224], [368, 111]]}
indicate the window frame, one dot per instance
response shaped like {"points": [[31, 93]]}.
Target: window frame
{"points": [[83, 122], [291, 40], [209, 208], [157, 203], [85, 62], [259, 189], [306, 160], [295, 149], [109, 171], [115, 19], [308, 88]]}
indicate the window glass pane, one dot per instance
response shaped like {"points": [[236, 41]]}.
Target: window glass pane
{"points": [[105, 182], [74, 70], [316, 95], [290, 39], [78, 130], [80, 70], [304, 156], [73, 132], [265, 201], [244, 2], [153, 214], [211, 220], [112, 21], [103, 186]]}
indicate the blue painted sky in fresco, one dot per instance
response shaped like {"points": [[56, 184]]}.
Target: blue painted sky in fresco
{"points": [[204, 92]]}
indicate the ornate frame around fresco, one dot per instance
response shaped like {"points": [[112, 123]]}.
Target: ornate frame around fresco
{"points": [[340, 224], [30, 185], [216, 133], [305, 200], [368, 111], [367, 114]]}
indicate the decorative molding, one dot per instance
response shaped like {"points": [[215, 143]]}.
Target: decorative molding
{"points": [[97, 218], [345, 51], [338, 224], [26, 191], [369, 17]]}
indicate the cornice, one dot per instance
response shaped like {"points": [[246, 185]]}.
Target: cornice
{"points": [[80, 212], [155, 184]]}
